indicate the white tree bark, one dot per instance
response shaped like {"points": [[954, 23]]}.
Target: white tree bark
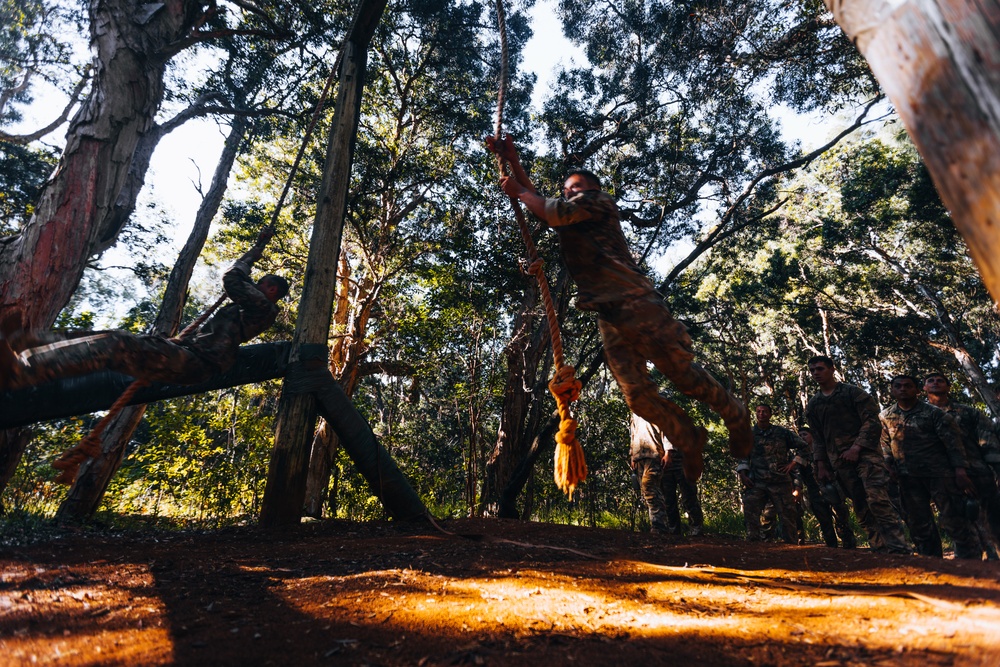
{"points": [[939, 63]]}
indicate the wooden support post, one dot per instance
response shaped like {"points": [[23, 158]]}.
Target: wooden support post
{"points": [[285, 490], [939, 63]]}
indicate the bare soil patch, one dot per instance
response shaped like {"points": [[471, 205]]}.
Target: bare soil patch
{"points": [[493, 593]]}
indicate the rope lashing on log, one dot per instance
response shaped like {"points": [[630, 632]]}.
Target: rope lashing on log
{"points": [[570, 463]]}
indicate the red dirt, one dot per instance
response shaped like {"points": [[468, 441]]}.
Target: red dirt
{"points": [[505, 593]]}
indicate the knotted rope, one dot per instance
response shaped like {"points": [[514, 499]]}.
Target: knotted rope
{"points": [[570, 464]]}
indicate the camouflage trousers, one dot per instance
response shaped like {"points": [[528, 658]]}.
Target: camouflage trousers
{"points": [[650, 472], [675, 483], [150, 358], [918, 493], [989, 511], [831, 513], [866, 483], [780, 495], [643, 330]]}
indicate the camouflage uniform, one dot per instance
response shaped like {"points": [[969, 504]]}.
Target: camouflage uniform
{"points": [[646, 450], [637, 326], [674, 484], [838, 421], [926, 445], [772, 451], [978, 439], [205, 352], [829, 509]]}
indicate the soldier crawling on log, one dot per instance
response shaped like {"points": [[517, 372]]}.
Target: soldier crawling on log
{"points": [[189, 358], [635, 323]]}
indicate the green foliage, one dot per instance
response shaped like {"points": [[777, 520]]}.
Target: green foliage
{"points": [[22, 173], [675, 109]]}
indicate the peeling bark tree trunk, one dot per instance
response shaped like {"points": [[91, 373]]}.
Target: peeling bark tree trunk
{"points": [[41, 267], [939, 63], [85, 495], [289, 465]]}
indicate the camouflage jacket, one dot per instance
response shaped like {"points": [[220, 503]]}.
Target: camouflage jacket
{"points": [[838, 421], [250, 313], [923, 441], [977, 436], [773, 449], [594, 249]]}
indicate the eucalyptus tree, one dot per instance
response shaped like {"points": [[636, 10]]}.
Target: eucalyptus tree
{"points": [[864, 264]]}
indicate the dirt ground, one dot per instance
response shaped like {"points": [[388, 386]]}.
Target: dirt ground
{"points": [[492, 593]]}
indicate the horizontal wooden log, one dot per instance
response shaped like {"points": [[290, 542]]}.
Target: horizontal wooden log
{"points": [[97, 391]]}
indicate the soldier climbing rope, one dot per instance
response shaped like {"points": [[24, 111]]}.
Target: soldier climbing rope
{"points": [[570, 463]]}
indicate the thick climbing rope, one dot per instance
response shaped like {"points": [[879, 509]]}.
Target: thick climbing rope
{"points": [[90, 447], [570, 464]]}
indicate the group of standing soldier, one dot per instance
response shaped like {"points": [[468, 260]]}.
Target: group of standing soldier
{"points": [[894, 466]]}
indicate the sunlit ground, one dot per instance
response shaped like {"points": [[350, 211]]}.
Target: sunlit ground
{"points": [[449, 601]]}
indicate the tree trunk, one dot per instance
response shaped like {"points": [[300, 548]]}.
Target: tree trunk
{"points": [[285, 490], [85, 495], [523, 354], [97, 391], [939, 63], [41, 268]]}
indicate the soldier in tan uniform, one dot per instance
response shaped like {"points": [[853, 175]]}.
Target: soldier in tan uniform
{"points": [[193, 358], [844, 421], [635, 323], [926, 446]]}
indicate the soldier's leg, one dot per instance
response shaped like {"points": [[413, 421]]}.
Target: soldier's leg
{"points": [[854, 488], [875, 476], [834, 495], [689, 499], [919, 518], [784, 508], [148, 357], [820, 508], [769, 521], [669, 484], [644, 399], [754, 498], [67, 357], [665, 342], [650, 477], [989, 504], [951, 506]]}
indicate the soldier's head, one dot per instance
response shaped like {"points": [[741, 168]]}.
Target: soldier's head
{"points": [[807, 435], [580, 180], [937, 384], [274, 287], [821, 369], [764, 414], [903, 388]]}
